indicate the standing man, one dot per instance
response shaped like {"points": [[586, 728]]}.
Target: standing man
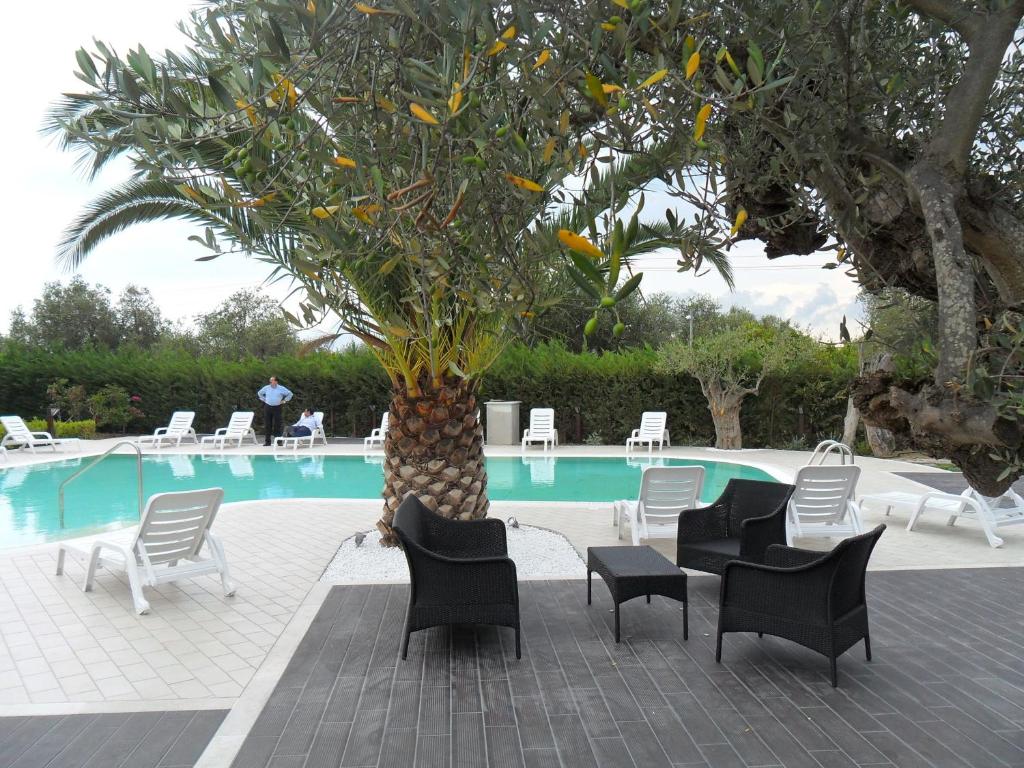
{"points": [[273, 396]]}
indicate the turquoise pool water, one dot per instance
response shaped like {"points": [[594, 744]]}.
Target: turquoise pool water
{"points": [[105, 495]]}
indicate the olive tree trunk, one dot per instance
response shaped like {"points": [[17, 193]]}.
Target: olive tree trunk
{"points": [[434, 449], [725, 403], [850, 423]]}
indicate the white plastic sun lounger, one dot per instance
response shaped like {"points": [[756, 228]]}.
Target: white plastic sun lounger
{"points": [[990, 512], [823, 502], [179, 428], [542, 428], [652, 430], [377, 434], [664, 493], [165, 546], [238, 430], [306, 440], [18, 433]]}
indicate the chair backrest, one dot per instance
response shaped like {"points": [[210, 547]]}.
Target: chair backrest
{"points": [[174, 525], [542, 421], [755, 498], [385, 420], [822, 493], [408, 521], [319, 416], [181, 422], [850, 560], [240, 421], [667, 491], [17, 428], [652, 424]]}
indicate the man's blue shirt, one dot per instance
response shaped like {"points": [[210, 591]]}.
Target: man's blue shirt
{"points": [[274, 395]]}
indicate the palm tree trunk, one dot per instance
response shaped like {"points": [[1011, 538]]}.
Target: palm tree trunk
{"points": [[434, 449]]}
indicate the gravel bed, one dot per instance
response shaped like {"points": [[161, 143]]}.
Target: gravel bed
{"points": [[537, 552]]}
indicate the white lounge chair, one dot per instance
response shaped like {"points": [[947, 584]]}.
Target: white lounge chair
{"points": [[826, 448], [179, 428], [297, 442], [3, 453], [181, 465], [823, 502], [542, 428], [165, 545], [18, 433], [378, 434], [542, 469], [652, 430], [238, 430], [664, 493], [989, 512]]}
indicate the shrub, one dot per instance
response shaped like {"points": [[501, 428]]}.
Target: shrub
{"points": [[112, 408], [84, 429]]}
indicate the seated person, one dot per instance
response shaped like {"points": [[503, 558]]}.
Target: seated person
{"points": [[305, 426]]}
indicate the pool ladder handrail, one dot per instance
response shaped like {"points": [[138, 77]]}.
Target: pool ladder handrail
{"points": [[93, 463]]}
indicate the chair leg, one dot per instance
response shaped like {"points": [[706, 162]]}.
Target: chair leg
{"points": [[589, 585], [616, 622], [686, 620], [718, 647], [90, 570], [832, 669], [405, 644], [60, 560], [135, 584], [648, 599], [760, 635], [867, 646], [519, 650], [222, 564]]}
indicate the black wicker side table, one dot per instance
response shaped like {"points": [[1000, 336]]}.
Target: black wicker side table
{"points": [[633, 571]]}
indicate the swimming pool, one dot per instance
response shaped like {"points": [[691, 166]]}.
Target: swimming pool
{"points": [[105, 495]]}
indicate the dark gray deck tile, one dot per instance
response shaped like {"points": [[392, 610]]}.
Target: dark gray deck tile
{"points": [[341, 706], [594, 714], [721, 756], [194, 737], [698, 723], [541, 758], [612, 753], [534, 728], [25, 736], [399, 750], [643, 746], [555, 692], [51, 743], [328, 745], [405, 704], [574, 749], [377, 688], [286, 761], [897, 751], [503, 748], [276, 712], [993, 742], [618, 697], [787, 748], [497, 703], [435, 717], [433, 751], [256, 752], [301, 726], [672, 736], [846, 738], [365, 738], [160, 738], [921, 741], [116, 749], [468, 748]]}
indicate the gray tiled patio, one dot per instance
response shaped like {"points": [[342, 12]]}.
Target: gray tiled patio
{"points": [[946, 687], [131, 740]]}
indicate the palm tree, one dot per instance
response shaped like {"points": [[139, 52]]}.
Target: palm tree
{"points": [[404, 168]]}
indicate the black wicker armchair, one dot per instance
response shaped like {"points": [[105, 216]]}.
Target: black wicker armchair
{"points": [[460, 571], [744, 521], [815, 599]]}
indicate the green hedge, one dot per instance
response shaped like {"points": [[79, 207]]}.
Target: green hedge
{"points": [[591, 394], [84, 429]]}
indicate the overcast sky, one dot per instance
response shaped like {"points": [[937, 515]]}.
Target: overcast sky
{"points": [[43, 193]]}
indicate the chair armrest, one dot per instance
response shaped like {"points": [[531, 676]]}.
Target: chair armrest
{"points": [[442, 580], [42, 435], [159, 431], [702, 524], [759, 533], [781, 556], [799, 594], [636, 433]]}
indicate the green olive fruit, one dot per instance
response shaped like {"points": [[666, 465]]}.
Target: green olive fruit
{"points": [[607, 301], [590, 327], [618, 329]]}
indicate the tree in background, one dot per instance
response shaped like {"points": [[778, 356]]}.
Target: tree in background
{"points": [[139, 321], [246, 324], [731, 363], [76, 315]]}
